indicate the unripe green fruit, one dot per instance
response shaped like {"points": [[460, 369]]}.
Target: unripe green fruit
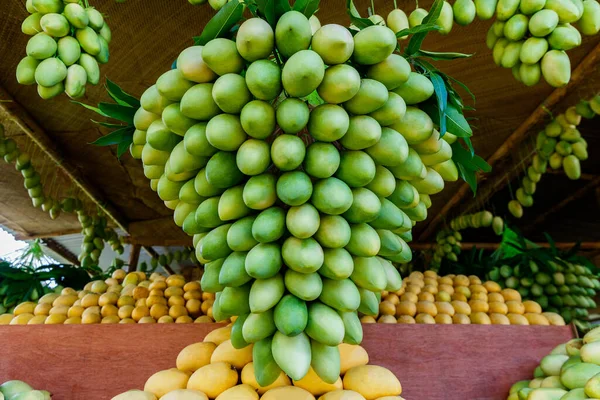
{"points": [[397, 20], [529, 7], [334, 43], [464, 11], [567, 10], [106, 33], [491, 38], [564, 37], [292, 115], [315, 24], [253, 157], [198, 103], [104, 54], [287, 152], [371, 96], [511, 54], [530, 74], [498, 51], [302, 73], [328, 123], [192, 66], [96, 20], [416, 89], [322, 160], [88, 39], [292, 33], [263, 78], [225, 132], [75, 84], [446, 18], [55, 25], [373, 44], [556, 68], [91, 67], [231, 93], [255, 39], [69, 50], [31, 25], [543, 22], [50, 72], [222, 57], [41, 46], [76, 15], [589, 24], [258, 119], [47, 6], [516, 27], [416, 17], [506, 9], [340, 83], [47, 93], [26, 70], [533, 50], [392, 72]]}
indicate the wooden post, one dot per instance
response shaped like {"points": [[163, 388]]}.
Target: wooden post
{"points": [[583, 69], [134, 256]]}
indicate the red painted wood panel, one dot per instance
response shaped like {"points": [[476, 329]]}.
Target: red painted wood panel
{"points": [[433, 362]]}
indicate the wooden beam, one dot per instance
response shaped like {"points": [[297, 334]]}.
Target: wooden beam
{"points": [[61, 250], [134, 257], [587, 65], [494, 246], [557, 207], [32, 236], [152, 241], [38, 136]]}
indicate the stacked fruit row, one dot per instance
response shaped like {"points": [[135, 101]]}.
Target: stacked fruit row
{"points": [[559, 145], [215, 369], [570, 372], [482, 219], [529, 36], [124, 298], [569, 290], [68, 41], [426, 298], [299, 182]]}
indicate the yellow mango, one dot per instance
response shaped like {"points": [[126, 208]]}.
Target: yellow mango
{"points": [[195, 356]]}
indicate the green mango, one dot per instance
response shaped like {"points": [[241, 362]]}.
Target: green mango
{"points": [[511, 54], [567, 10], [292, 354], [302, 221], [266, 369], [491, 38], [266, 293], [210, 278], [222, 172], [556, 68], [91, 67], [269, 225], [369, 304], [416, 89], [543, 22], [237, 337], [234, 300], [76, 15], [291, 315], [196, 103], [337, 264], [364, 241], [506, 9], [239, 236], [96, 20], [258, 326], [369, 274], [325, 360], [341, 295], [533, 50], [446, 18], [263, 261], [75, 81], [572, 167], [47, 6], [564, 37], [392, 72], [464, 12], [214, 245], [307, 287], [231, 204], [578, 374], [516, 27], [575, 394], [324, 324], [259, 192], [55, 25], [41, 46], [498, 51], [485, 8], [222, 57], [26, 70], [88, 39], [69, 50], [546, 394], [589, 24], [31, 25], [529, 7], [373, 44], [233, 272], [432, 183], [194, 138]]}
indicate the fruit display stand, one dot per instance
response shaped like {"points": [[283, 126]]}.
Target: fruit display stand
{"points": [[432, 362]]}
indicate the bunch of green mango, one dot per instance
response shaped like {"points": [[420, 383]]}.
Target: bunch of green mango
{"points": [[482, 219], [569, 289], [19, 390], [447, 246], [67, 44], [570, 372], [167, 258], [300, 183], [559, 145], [95, 232]]}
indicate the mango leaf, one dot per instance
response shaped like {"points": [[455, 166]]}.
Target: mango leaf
{"points": [[283, 6], [91, 108], [441, 94], [114, 137], [121, 96], [355, 17], [306, 7], [266, 10], [456, 123], [417, 29], [436, 55], [468, 165], [430, 19], [221, 23], [108, 124], [123, 147], [314, 99], [117, 111]]}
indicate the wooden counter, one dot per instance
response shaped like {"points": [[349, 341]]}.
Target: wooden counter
{"points": [[433, 362]]}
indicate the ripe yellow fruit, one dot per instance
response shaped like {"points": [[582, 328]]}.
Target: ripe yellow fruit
{"points": [[479, 306], [367, 319], [152, 300], [510, 294], [344, 395], [60, 309], [239, 392], [351, 356], [459, 297], [492, 287], [158, 285], [166, 319], [68, 291], [443, 296], [424, 319], [446, 280], [474, 279], [90, 300], [406, 308], [195, 356], [480, 318], [192, 286], [99, 287], [5, 319], [184, 319], [213, 379], [147, 320], [313, 384], [158, 310], [249, 378], [406, 319], [413, 289], [495, 298], [192, 294], [461, 280], [157, 293], [461, 319], [446, 288], [140, 312], [219, 335], [430, 281], [176, 301], [517, 319], [387, 308], [127, 321], [496, 307], [443, 319], [176, 280], [141, 276], [141, 303], [37, 320], [430, 289], [125, 311], [65, 300], [387, 319], [109, 310], [409, 296], [184, 394], [461, 307], [204, 319], [173, 291], [430, 274], [56, 319], [464, 290], [177, 311], [110, 319], [426, 307], [536, 319], [42, 309], [73, 321], [91, 318], [554, 318], [48, 298], [515, 307], [532, 307], [225, 352], [392, 298], [114, 289], [21, 319], [444, 308], [288, 393], [140, 292], [499, 319], [119, 274], [479, 296], [108, 298], [372, 381], [128, 290], [426, 296], [165, 381], [111, 282], [25, 308], [125, 301]]}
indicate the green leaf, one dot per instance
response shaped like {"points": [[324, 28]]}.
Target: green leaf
{"points": [[120, 96], [355, 17], [221, 23], [115, 137], [430, 19], [456, 123], [468, 164], [441, 94], [108, 124], [437, 56], [116, 111], [123, 147], [91, 108], [417, 29], [283, 6], [306, 7], [266, 10], [469, 176], [314, 99]]}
